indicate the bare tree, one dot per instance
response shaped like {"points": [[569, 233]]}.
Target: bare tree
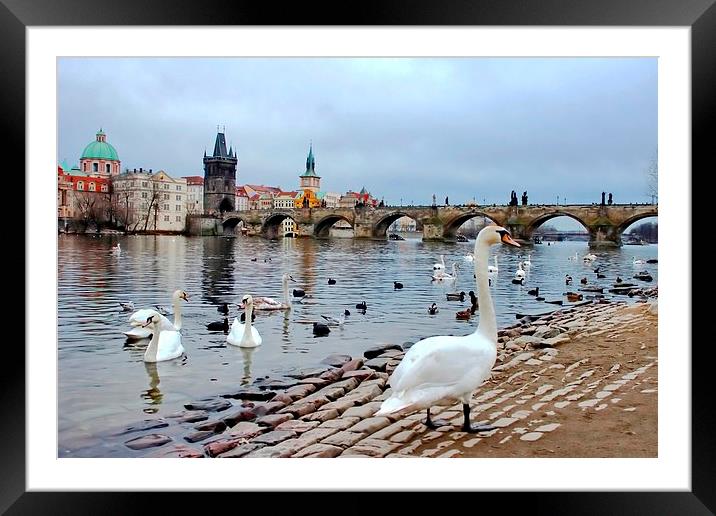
{"points": [[652, 178], [153, 205]]}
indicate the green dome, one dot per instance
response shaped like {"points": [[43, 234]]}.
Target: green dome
{"points": [[100, 149]]}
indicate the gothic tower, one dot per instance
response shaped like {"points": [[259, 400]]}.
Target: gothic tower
{"points": [[220, 177]]}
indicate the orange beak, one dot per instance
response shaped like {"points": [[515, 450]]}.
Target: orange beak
{"points": [[507, 239]]}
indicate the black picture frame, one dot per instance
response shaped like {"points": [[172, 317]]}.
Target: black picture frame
{"points": [[700, 15]]}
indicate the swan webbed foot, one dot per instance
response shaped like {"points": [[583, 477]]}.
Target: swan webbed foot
{"points": [[469, 428], [433, 425]]}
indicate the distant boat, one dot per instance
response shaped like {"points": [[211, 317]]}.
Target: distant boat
{"points": [[395, 236]]}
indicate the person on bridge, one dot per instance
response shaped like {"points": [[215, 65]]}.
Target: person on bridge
{"points": [[524, 198], [603, 194], [434, 201], [446, 202], [609, 201]]}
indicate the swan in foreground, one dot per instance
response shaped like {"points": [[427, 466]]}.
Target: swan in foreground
{"points": [[244, 335], [493, 269], [269, 303], [139, 318], [165, 344], [440, 266], [446, 368]]}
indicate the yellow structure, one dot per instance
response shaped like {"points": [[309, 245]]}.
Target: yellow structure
{"points": [[309, 195]]}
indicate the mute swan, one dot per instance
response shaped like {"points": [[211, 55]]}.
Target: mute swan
{"points": [[444, 276], [165, 344], [493, 269], [449, 367], [138, 319], [244, 335], [269, 303], [575, 257], [588, 258], [127, 307], [528, 261], [439, 266], [520, 272], [638, 262], [469, 257], [116, 250]]}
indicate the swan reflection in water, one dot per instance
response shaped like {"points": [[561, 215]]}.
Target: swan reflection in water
{"points": [[153, 395], [247, 355]]}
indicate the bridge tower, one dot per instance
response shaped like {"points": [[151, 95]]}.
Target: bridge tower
{"points": [[220, 177]]}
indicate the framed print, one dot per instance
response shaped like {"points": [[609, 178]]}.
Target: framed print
{"points": [[279, 237]]}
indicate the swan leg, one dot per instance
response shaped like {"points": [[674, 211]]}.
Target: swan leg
{"points": [[467, 427], [434, 424]]}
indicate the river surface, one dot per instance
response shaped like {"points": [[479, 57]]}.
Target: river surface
{"points": [[104, 383]]}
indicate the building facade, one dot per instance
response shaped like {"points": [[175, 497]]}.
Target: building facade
{"points": [[82, 198], [220, 178], [285, 200], [194, 195], [99, 158], [242, 199], [148, 201]]}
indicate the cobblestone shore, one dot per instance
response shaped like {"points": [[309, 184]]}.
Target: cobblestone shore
{"points": [[328, 411]]}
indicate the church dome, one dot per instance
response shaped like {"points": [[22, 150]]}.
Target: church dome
{"points": [[100, 149]]}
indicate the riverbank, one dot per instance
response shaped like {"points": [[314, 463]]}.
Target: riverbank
{"points": [[559, 380]]}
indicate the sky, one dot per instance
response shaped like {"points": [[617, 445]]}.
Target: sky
{"points": [[405, 128]]}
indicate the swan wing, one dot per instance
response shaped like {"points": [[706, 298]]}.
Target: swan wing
{"points": [[137, 332], [235, 333], [256, 336], [169, 346], [140, 316]]}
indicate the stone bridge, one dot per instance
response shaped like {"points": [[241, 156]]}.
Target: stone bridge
{"points": [[605, 224]]}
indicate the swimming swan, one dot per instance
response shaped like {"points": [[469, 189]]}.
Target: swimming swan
{"points": [[139, 318], [165, 344], [449, 367], [269, 303], [244, 335]]}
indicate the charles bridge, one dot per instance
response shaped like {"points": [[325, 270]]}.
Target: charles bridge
{"points": [[605, 223]]}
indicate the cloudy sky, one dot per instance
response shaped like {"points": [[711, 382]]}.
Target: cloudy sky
{"points": [[403, 128]]}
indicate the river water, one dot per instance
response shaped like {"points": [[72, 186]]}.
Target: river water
{"points": [[104, 383]]}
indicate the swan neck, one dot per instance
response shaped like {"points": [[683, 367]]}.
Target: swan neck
{"points": [[488, 321], [177, 314], [286, 297], [150, 355], [247, 326]]}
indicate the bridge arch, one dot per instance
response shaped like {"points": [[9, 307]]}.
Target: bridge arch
{"points": [[451, 226], [380, 227], [230, 223], [532, 226], [272, 224], [636, 218], [324, 225]]}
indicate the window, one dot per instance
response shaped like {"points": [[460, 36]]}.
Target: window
{"points": [[166, 196], [166, 207], [80, 185], [131, 194], [144, 184], [166, 218], [178, 207], [144, 195], [95, 167], [144, 205], [178, 218], [104, 188], [178, 197], [178, 188], [166, 187], [92, 187], [84, 166], [107, 169]]}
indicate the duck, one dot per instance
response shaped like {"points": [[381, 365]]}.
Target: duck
{"points": [[331, 281], [652, 260], [269, 303], [474, 306], [601, 276], [439, 266], [362, 306], [456, 296], [463, 315], [346, 312], [619, 280], [597, 269], [539, 298], [218, 325], [567, 279], [332, 321], [493, 269], [127, 306], [534, 291], [223, 309], [583, 281], [397, 285], [573, 297], [446, 368], [165, 344], [298, 292], [433, 309], [245, 335], [139, 318], [320, 329]]}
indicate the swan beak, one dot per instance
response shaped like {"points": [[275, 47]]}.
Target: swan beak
{"points": [[185, 297], [507, 239]]}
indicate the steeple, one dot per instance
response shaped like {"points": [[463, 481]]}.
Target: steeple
{"points": [[220, 146], [310, 162]]}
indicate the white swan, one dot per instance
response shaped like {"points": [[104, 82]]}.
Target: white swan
{"points": [[269, 303], [575, 257], [439, 266], [165, 344], [244, 335], [444, 276], [469, 257], [449, 367], [139, 318], [127, 306], [590, 257], [520, 272], [638, 262], [528, 262], [493, 269], [116, 250]]}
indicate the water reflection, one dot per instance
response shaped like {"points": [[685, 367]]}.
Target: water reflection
{"points": [[153, 396], [247, 355]]}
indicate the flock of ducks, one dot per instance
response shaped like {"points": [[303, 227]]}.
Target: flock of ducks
{"points": [[434, 370]]}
